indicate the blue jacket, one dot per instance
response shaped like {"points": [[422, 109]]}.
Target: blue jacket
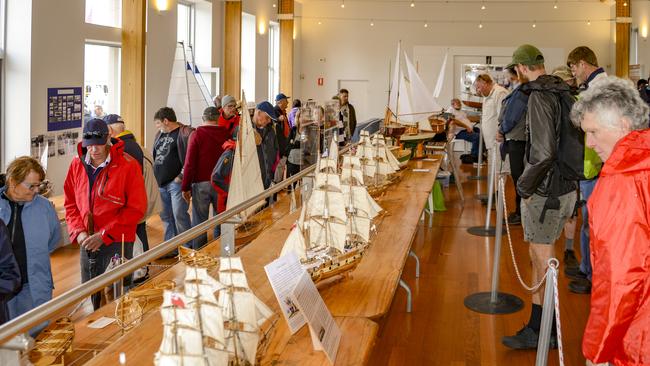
{"points": [[516, 105], [42, 236]]}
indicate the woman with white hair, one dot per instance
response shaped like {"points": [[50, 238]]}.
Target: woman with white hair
{"points": [[614, 117]]}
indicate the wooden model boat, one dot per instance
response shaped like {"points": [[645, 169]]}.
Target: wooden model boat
{"points": [[52, 343], [194, 258]]}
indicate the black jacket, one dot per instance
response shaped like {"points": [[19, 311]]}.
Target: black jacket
{"points": [[132, 147], [267, 153], [9, 272], [279, 126], [542, 131]]}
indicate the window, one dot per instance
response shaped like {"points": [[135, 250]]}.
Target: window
{"points": [[101, 80], [248, 56], [185, 28], [104, 12], [274, 60]]}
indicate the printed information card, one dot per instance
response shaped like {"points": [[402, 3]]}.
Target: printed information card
{"points": [[283, 274]]}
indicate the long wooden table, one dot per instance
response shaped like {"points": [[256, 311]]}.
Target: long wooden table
{"points": [[365, 295]]}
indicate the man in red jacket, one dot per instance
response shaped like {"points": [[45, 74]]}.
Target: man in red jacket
{"points": [[613, 117], [105, 198]]}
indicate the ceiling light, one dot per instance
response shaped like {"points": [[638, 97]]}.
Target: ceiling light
{"points": [[343, 4], [588, 22], [413, 4], [480, 25], [274, 5], [426, 25], [555, 6], [319, 22], [625, 3], [534, 25], [372, 23], [482, 7]]}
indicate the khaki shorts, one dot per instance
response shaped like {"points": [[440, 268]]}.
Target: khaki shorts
{"points": [[548, 231]]}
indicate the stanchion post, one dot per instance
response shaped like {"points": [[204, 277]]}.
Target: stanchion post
{"points": [[497, 245], [543, 342], [495, 302], [491, 178]]}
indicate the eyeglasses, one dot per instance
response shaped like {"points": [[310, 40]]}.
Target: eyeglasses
{"points": [[94, 134], [32, 187]]}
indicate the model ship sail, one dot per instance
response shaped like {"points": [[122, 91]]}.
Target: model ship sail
{"points": [[409, 99], [200, 328], [193, 325], [243, 311], [246, 179], [185, 95]]}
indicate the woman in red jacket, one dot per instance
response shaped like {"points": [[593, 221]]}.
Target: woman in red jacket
{"points": [[613, 117]]}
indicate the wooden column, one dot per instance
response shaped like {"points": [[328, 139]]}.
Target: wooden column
{"points": [[285, 16], [232, 47], [623, 22], [134, 15]]}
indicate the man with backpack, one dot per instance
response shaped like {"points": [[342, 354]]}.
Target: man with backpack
{"points": [[584, 66], [547, 185]]}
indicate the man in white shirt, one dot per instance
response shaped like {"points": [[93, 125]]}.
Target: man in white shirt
{"points": [[494, 94]]}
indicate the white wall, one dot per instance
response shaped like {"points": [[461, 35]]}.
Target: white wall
{"points": [[341, 48], [641, 18]]}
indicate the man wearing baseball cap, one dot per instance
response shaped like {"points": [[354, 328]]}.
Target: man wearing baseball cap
{"points": [[548, 199], [267, 148], [105, 198]]}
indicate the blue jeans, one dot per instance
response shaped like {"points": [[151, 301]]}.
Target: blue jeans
{"points": [[471, 137], [21, 303], [586, 188], [174, 215], [203, 195]]}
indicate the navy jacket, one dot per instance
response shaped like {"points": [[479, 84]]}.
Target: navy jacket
{"points": [[9, 272]]}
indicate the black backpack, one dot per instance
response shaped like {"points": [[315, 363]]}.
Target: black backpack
{"points": [[571, 142]]}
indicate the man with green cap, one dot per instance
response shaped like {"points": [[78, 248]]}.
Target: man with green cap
{"points": [[548, 199]]}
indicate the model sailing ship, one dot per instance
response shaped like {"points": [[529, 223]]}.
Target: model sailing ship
{"points": [[246, 182], [378, 164], [411, 106], [335, 224], [201, 328], [52, 343]]}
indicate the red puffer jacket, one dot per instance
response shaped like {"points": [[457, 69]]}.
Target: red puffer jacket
{"points": [[119, 198], [618, 329]]}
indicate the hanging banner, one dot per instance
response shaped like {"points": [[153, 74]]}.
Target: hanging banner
{"points": [[64, 108]]}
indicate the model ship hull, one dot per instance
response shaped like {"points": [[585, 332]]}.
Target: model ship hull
{"points": [[248, 231], [52, 343], [402, 155], [339, 265]]}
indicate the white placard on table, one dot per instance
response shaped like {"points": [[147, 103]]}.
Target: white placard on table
{"points": [[101, 322], [325, 333], [283, 274], [422, 170]]}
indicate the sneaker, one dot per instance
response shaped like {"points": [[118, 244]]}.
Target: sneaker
{"points": [[526, 338], [514, 219], [575, 273], [570, 259], [582, 287]]}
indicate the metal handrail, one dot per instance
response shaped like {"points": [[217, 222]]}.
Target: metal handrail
{"points": [[76, 294]]}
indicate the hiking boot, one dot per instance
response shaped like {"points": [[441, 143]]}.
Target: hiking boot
{"points": [[570, 259], [468, 159], [575, 273], [526, 338], [514, 219], [582, 287]]}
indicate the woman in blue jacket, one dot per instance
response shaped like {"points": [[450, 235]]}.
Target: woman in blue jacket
{"points": [[34, 231]]}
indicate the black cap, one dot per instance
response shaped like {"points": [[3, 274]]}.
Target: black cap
{"points": [[95, 132]]}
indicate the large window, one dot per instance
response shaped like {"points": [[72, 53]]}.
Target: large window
{"points": [[248, 56], [101, 80], [104, 12], [274, 60], [185, 28]]}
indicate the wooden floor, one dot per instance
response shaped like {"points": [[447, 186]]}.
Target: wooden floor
{"points": [[454, 264]]}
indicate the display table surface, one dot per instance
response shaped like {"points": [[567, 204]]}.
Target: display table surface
{"points": [[365, 295]]}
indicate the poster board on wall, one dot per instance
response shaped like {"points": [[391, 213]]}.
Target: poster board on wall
{"points": [[64, 108]]}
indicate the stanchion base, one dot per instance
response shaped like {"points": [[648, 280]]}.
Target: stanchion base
{"points": [[481, 231], [481, 197], [477, 177], [505, 304]]}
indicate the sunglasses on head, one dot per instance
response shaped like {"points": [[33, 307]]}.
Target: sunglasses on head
{"points": [[94, 134]]}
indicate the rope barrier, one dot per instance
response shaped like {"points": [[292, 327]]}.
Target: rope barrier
{"points": [[552, 266]]}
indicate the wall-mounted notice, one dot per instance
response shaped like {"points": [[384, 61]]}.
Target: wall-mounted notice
{"points": [[283, 274], [64, 108]]}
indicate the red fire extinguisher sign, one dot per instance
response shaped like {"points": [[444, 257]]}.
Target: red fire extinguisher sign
{"points": [[320, 81]]}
